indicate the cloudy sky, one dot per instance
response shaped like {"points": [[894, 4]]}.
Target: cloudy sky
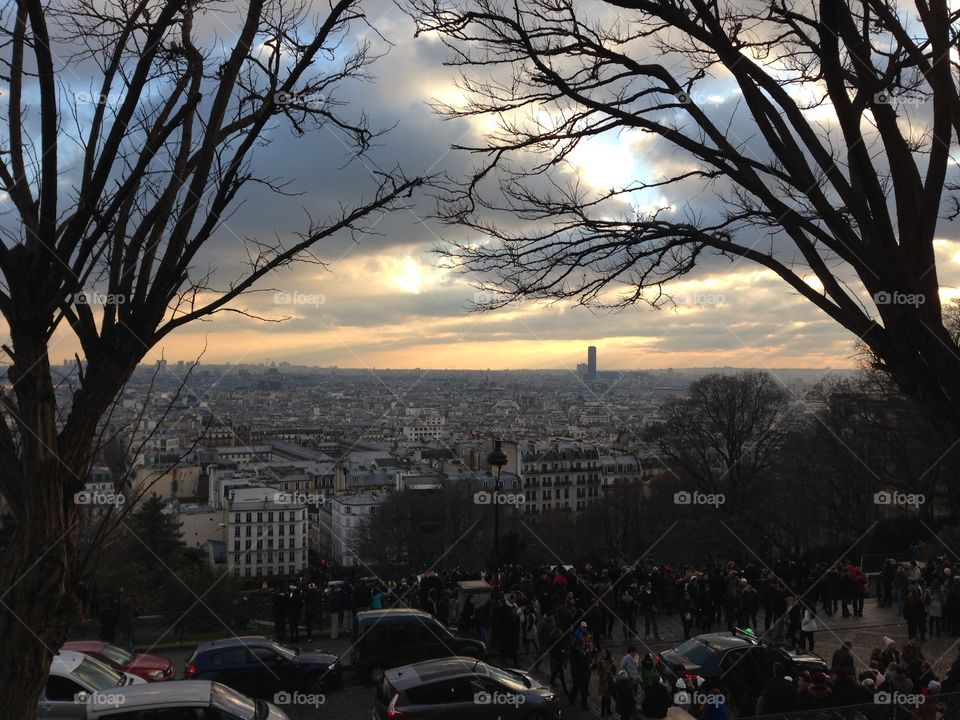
{"points": [[385, 301]]}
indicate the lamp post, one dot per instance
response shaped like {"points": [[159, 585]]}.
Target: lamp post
{"points": [[497, 459]]}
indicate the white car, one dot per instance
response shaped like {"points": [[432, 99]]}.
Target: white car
{"points": [[179, 700], [73, 676]]}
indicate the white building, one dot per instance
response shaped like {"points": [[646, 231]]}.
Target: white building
{"points": [[347, 515], [266, 534], [422, 424]]}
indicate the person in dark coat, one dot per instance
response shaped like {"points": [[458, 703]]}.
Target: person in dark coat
{"points": [[780, 694], [624, 697], [656, 701], [581, 659], [311, 603], [280, 615], [125, 617], [294, 609], [843, 659], [108, 621]]}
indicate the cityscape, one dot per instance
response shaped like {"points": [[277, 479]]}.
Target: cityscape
{"points": [[418, 359]]}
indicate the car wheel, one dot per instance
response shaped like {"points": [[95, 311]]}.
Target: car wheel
{"points": [[375, 673]]}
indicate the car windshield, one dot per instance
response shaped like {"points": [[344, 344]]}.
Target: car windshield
{"points": [[512, 680], [694, 652], [116, 655], [234, 704], [94, 675], [285, 652]]}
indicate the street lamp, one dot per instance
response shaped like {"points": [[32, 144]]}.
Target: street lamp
{"points": [[497, 459]]}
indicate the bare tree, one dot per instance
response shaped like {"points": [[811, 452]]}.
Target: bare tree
{"points": [[122, 195], [843, 205], [727, 433]]}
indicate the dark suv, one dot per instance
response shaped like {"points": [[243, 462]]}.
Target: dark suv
{"points": [[384, 639], [261, 667], [734, 661]]}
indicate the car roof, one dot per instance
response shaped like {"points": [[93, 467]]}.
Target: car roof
{"points": [[84, 646], [392, 612], [726, 640], [133, 697], [245, 641], [66, 661], [407, 676]]}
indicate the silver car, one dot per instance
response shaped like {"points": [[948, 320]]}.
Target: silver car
{"points": [[73, 676], [463, 688], [179, 700]]}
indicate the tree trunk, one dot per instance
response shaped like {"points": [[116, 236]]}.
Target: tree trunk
{"points": [[37, 584], [35, 616]]}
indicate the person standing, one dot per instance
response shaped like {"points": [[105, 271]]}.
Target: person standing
{"points": [[630, 664], [558, 655], [808, 626], [294, 608], [108, 621], [606, 676], [624, 696], [125, 621], [280, 615], [648, 604], [581, 658], [686, 615], [312, 602], [334, 612], [933, 598]]}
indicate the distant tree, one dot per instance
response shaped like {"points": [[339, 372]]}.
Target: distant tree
{"points": [[115, 190], [829, 165], [727, 433], [410, 529]]}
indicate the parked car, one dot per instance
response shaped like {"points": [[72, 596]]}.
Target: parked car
{"points": [[261, 667], [734, 660], [384, 639], [463, 687], [72, 677], [152, 668], [183, 700]]}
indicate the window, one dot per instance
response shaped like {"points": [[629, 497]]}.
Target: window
{"points": [[229, 658], [401, 635], [61, 689]]}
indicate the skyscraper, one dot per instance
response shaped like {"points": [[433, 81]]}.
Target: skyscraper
{"points": [[591, 363]]}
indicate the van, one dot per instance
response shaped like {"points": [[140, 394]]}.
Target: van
{"points": [[389, 638]]}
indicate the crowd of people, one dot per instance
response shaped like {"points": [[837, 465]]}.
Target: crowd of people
{"points": [[570, 618]]}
